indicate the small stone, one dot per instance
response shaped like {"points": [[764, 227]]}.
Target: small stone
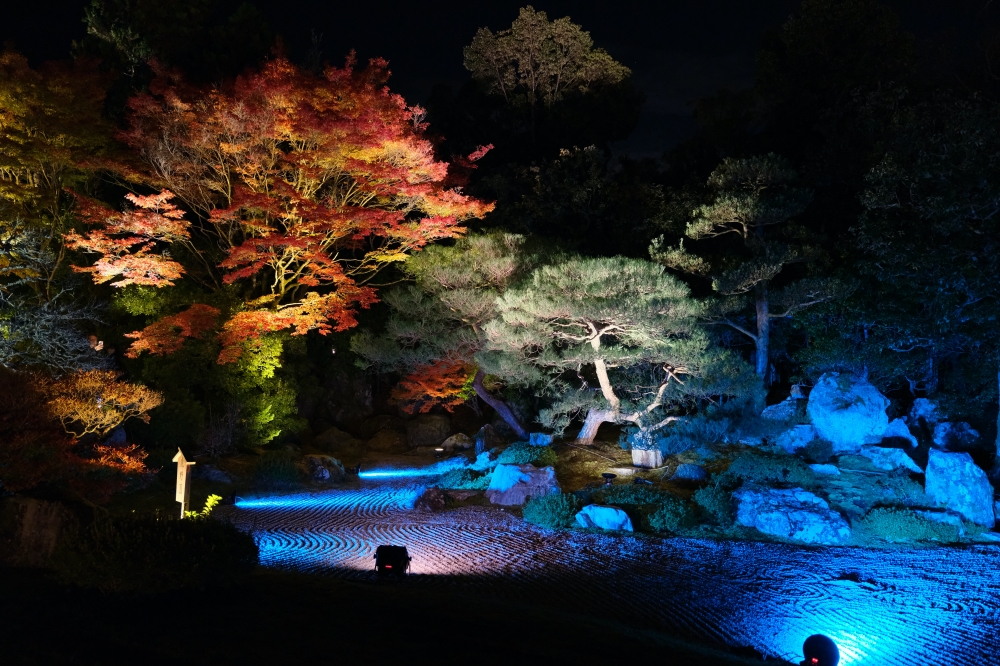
{"points": [[604, 517], [458, 442], [689, 472], [956, 436], [488, 438], [924, 409], [825, 470], [898, 430], [889, 459], [540, 439], [432, 500]]}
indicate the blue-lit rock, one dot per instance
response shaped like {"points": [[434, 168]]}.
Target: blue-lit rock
{"points": [[924, 409], [825, 470], [783, 411], [955, 482], [513, 485], [791, 514], [956, 436], [796, 438], [897, 429], [540, 439], [689, 472], [604, 517], [459, 441], [847, 411], [888, 458]]}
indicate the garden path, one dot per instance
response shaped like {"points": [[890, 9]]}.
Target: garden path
{"points": [[936, 606]]}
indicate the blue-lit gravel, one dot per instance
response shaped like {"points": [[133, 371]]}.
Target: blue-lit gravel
{"points": [[907, 607]]}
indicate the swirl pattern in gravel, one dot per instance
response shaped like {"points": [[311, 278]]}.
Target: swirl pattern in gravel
{"points": [[883, 607]]}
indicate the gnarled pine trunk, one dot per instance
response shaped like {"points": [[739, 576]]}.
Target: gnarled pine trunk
{"points": [[501, 407], [763, 329], [595, 417]]}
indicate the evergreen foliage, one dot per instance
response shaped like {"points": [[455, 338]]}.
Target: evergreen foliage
{"points": [[553, 511]]}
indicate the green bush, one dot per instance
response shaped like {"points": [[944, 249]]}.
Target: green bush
{"points": [[771, 469], [629, 495], [893, 524], [276, 469], [558, 510], [525, 454], [671, 515], [150, 553], [716, 500], [464, 479]]}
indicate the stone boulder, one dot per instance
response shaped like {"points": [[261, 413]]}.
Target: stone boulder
{"points": [[488, 438], [458, 442], [604, 517], [791, 514], [848, 412], [325, 469], [367, 429], [889, 458], [924, 409], [210, 473], [689, 472], [427, 430], [388, 441], [432, 500], [796, 438], [539, 439], [786, 410], [897, 430], [513, 485], [335, 439], [953, 481], [956, 436], [647, 458]]}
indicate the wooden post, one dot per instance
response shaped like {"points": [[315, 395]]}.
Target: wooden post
{"points": [[183, 494]]}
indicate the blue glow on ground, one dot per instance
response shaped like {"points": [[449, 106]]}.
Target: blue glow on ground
{"points": [[436, 469]]}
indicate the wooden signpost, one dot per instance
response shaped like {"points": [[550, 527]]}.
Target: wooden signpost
{"points": [[183, 494]]}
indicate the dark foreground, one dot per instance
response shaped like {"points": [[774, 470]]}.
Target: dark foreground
{"points": [[280, 618]]}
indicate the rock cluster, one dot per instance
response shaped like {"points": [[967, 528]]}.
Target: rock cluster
{"points": [[791, 514]]}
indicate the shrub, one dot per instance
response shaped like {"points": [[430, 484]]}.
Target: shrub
{"points": [[558, 510], [525, 454], [716, 499], [629, 495], [671, 515], [150, 553], [464, 479], [894, 524], [276, 469], [771, 469]]}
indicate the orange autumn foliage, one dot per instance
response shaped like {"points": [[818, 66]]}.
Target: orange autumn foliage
{"points": [[168, 334], [310, 184], [97, 401], [442, 383]]}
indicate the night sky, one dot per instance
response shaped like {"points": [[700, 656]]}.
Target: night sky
{"points": [[678, 50]]}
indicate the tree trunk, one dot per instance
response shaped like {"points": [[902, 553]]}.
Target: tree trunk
{"points": [[501, 407], [595, 417], [763, 329]]}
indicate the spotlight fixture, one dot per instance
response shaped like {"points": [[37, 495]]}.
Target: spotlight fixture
{"points": [[819, 650], [609, 478]]}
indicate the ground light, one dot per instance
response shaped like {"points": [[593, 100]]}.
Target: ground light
{"points": [[819, 650]]}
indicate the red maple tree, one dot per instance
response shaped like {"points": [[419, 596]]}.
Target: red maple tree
{"points": [[445, 383], [311, 185]]}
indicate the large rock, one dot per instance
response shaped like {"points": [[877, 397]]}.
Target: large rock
{"points": [[513, 485], [432, 500], [796, 438], [427, 430], [335, 439], [367, 429], [889, 458], [459, 441], [955, 482], [488, 438], [647, 458], [791, 514], [897, 430], [30, 529], [956, 436], [388, 441], [210, 473], [539, 439], [849, 412], [786, 410], [604, 517], [326, 469]]}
